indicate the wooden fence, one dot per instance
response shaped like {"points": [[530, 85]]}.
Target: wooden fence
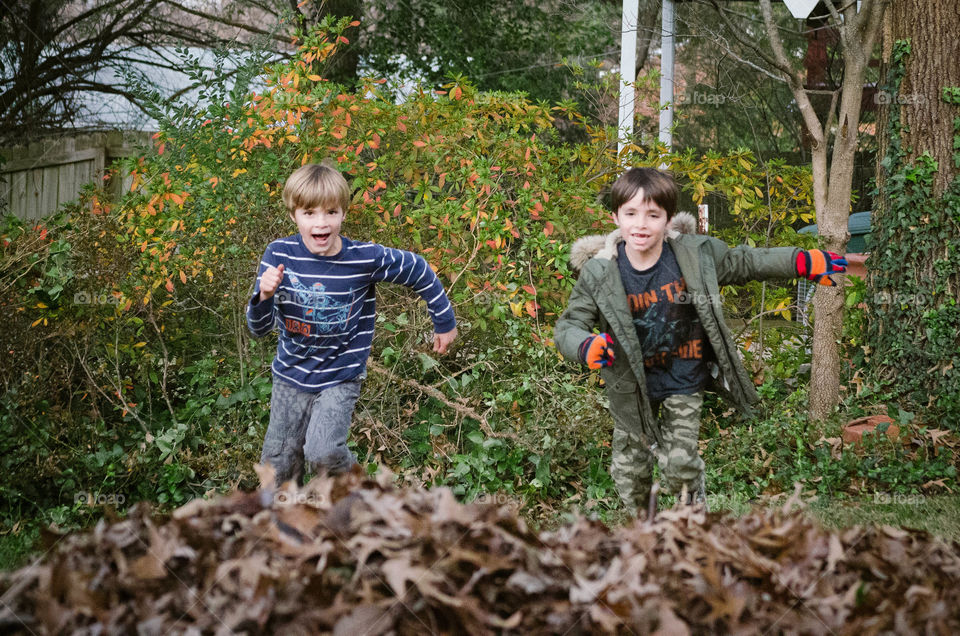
{"points": [[38, 178]]}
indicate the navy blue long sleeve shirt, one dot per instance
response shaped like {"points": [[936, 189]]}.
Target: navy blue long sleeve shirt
{"points": [[325, 307]]}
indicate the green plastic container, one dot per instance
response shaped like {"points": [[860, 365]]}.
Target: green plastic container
{"points": [[859, 227]]}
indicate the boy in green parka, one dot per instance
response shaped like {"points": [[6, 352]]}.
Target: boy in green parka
{"points": [[652, 289]]}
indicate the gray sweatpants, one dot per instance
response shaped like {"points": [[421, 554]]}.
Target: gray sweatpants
{"points": [[311, 427]]}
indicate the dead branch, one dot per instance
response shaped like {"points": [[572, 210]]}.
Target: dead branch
{"points": [[459, 405]]}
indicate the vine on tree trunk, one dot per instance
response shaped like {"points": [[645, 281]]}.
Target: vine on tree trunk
{"points": [[913, 318]]}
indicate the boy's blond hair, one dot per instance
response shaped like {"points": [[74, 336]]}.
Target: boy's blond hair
{"points": [[316, 185]]}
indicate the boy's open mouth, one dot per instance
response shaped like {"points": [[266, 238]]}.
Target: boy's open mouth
{"points": [[321, 236]]}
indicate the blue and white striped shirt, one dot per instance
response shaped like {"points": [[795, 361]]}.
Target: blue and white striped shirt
{"points": [[325, 307]]}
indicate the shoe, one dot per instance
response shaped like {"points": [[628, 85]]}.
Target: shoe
{"points": [[701, 495]]}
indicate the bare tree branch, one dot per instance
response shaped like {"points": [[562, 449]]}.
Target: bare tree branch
{"points": [[55, 49], [783, 65]]}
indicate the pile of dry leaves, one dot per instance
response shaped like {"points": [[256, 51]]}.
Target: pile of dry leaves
{"points": [[356, 556]]}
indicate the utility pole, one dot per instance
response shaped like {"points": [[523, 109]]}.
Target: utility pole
{"points": [[628, 72], [667, 48]]}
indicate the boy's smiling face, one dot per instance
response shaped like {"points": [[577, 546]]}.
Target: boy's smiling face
{"points": [[643, 224], [320, 228]]}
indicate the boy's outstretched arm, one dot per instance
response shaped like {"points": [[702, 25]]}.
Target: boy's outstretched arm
{"points": [[743, 263], [737, 265], [412, 270]]}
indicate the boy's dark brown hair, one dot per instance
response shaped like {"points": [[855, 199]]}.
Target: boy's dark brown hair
{"points": [[658, 186]]}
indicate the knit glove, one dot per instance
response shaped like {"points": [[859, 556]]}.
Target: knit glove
{"points": [[817, 265], [597, 351]]}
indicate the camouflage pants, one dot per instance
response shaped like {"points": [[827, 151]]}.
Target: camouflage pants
{"points": [[680, 462], [679, 459], [632, 465]]}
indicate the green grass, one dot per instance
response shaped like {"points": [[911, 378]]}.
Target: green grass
{"points": [[939, 515], [18, 545]]}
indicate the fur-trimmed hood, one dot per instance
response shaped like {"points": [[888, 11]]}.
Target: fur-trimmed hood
{"points": [[605, 245]]}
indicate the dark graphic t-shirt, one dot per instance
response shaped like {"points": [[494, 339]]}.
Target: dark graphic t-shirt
{"points": [[671, 337]]}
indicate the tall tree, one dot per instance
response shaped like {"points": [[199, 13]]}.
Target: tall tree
{"points": [[913, 330], [833, 134]]}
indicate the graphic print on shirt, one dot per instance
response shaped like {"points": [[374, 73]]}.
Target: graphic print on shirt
{"points": [[668, 328], [323, 313]]}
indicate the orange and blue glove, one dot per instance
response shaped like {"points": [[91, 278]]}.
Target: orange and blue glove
{"points": [[817, 265], [597, 351]]}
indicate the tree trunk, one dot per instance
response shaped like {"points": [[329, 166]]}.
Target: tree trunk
{"points": [[933, 28], [914, 266], [342, 67], [833, 212]]}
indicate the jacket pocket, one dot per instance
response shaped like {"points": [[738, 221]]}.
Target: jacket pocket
{"points": [[619, 379]]}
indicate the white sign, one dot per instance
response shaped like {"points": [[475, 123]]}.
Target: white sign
{"points": [[801, 9]]}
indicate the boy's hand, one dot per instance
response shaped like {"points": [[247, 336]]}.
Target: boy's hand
{"points": [[817, 265], [269, 281], [597, 351], [442, 340]]}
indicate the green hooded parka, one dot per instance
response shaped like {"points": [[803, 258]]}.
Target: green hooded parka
{"points": [[706, 263]]}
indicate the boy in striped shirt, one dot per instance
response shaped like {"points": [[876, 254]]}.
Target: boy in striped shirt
{"points": [[317, 288]]}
